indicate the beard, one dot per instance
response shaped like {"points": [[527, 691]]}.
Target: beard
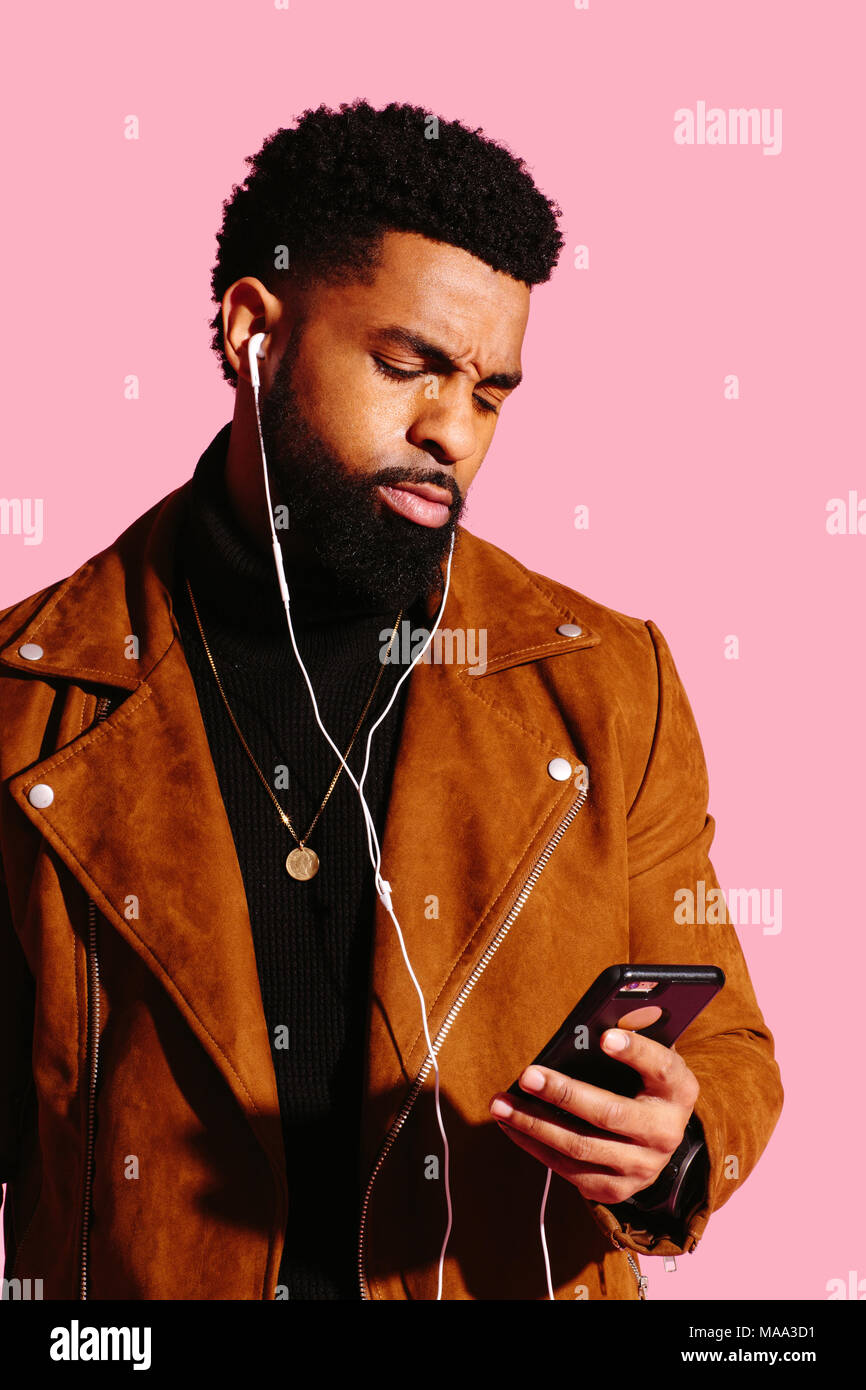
{"points": [[365, 556]]}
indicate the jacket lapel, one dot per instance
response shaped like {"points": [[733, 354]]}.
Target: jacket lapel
{"points": [[472, 805]]}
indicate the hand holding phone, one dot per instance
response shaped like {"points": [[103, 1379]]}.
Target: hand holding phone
{"points": [[653, 1140]]}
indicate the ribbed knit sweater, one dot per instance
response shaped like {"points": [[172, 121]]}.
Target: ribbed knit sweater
{"points": [[312, 939]]}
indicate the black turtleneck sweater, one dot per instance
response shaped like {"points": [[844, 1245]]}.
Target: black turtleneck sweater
{"points": [[312, 939]]}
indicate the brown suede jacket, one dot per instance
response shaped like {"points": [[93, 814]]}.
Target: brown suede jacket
{"points": [[139, 1128]]}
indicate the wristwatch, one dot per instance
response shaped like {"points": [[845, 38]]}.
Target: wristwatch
{"points": [[681, 1187]]}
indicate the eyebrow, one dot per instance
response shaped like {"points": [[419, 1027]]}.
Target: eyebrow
{"points": [[403, 337]]}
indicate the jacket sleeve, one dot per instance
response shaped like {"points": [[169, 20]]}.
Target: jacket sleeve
{"points": [[728, 1046]]}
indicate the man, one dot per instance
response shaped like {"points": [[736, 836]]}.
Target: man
{"points": [[216, 1076]]}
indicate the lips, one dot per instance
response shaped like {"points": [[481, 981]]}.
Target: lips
{"points": [[424, 503]]}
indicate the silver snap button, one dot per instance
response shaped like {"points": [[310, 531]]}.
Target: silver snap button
{"points": [[570, 630], [41, 795], [31, 651], [559, 769]]}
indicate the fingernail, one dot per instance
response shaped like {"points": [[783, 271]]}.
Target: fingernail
{"points": [[501, 1107], [533, 1079], [616, 1041]]}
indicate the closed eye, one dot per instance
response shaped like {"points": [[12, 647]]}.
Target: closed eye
{"points": [[399, 374]]}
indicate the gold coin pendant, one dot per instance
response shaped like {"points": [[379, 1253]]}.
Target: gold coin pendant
{"points": [[302, 863]]}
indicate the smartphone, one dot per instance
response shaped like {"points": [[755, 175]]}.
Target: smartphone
{"points": [[659, 1001]]}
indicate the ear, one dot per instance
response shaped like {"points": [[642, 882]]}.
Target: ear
{"points": [[248, 307]]}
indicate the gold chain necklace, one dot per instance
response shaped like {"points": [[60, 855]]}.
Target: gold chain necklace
{"points": [[301, 863]]}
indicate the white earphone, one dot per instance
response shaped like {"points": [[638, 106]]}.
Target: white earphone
{"points": [[383, 887], [256, 355]]}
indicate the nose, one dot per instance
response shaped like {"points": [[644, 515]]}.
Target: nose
{"points": [[444, 426]]}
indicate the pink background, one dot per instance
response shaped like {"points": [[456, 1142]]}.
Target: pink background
{"points": [[706, 515]]}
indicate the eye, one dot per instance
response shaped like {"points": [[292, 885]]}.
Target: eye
{"points": [[398, 374]]}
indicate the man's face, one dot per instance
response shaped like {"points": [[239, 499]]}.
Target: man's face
{"points": [[381, 389]]}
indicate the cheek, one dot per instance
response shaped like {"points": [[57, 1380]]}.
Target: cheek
{"points": [[344, 407], [374, 423], [465, 473]]}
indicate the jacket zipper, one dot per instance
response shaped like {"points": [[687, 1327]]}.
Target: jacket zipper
{"points": [[642, 1280], [93, 1020], [449, 1020]]}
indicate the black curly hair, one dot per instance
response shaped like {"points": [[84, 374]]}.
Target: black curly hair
{"points": [[326, 191]]}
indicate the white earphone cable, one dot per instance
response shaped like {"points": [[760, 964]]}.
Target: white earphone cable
{"points": [[550, 1292]]}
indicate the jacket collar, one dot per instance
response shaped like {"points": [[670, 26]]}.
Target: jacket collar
{"points": [[84, 627]]}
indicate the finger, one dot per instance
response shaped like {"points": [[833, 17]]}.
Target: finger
{"points": [[663, 1070], [595, 1185], [608, 1112], [587, 1150]]}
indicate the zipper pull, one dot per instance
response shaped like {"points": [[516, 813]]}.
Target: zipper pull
{"points": [[642, 1281]]}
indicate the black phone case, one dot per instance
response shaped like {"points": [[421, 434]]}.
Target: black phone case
{"points": [[680, 991]]}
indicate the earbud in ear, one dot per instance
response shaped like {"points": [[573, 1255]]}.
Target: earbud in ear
{"points": [[256, 354]]}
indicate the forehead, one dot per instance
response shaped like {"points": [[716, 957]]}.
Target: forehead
{"points": [[443, 292]]}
